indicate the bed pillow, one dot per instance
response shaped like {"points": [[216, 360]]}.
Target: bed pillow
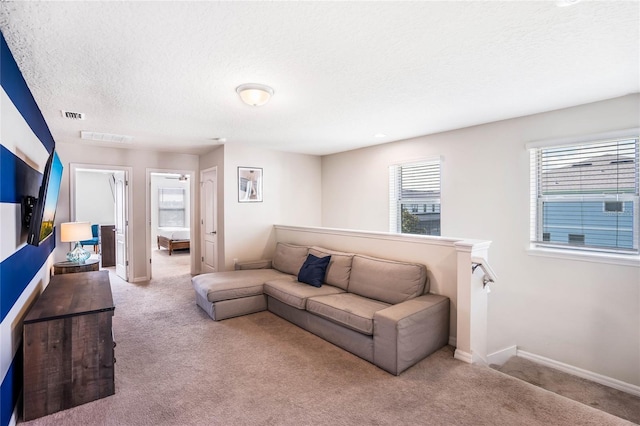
{"points": [[313, 270]]}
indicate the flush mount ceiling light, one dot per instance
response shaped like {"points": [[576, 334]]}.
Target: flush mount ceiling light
{"points": [[254, 94]]}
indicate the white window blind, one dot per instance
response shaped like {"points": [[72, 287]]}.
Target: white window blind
{"points": [[171, 207], [414, 198], [585, 196]]}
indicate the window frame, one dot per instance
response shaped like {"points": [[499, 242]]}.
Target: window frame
{"points": [[396, 202], [537, 241]]}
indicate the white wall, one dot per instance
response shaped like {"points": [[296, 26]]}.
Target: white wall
{"points": [[139, 161], [581, 313], [291, 193], [95, 200]]}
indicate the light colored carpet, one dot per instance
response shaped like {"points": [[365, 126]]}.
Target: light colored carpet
{"points": [[175, 366], [594, 394], [163, 265]]}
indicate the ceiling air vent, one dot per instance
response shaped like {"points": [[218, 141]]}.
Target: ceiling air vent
{"points": [[73, 115], [105, 137]]}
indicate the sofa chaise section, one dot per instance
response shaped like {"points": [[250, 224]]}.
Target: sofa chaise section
{"points": [[230, 294]]}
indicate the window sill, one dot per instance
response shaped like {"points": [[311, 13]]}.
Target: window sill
{"points": [[632, 260]]}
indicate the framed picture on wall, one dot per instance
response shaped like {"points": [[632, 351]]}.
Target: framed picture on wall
{"points": [[249, 185]]}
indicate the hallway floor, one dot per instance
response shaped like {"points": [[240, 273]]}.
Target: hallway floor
{"points": [[163, 265]]}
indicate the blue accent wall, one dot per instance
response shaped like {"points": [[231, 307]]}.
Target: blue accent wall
{"points": [[17, 178], [11, 386], [20, 268], [14, 85]]}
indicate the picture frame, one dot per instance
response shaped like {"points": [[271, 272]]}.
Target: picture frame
{"points": [[249, 184]]}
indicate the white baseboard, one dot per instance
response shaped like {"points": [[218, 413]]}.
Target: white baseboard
{"points": [[139, 279], [501, 356], [585, 374], [463, 356]]}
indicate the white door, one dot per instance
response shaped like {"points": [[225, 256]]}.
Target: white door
{"points": [[208, 220], [122, 224]]}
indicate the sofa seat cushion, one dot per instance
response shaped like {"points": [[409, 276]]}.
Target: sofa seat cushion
{"points": [[219, 286], [339, 267], [386, 280], [348, 309], [295, 293]]}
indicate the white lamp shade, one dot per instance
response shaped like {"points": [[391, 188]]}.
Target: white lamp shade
{"points": [[254, 94], [75, 231]]}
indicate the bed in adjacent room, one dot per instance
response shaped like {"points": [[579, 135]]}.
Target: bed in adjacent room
{"points": [[173, 239]]}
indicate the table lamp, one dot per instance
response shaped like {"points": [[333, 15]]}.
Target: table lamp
{"points": [[75, 232]]}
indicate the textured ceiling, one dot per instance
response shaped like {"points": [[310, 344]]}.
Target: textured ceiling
{"points": [[166, 72]]}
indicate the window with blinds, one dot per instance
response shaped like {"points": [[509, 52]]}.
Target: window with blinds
{"points": [[586, 196], [414, 198], [171, 207]]}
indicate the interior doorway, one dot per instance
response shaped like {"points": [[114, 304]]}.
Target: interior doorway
{"points": [[169, 218], [100, 196]]}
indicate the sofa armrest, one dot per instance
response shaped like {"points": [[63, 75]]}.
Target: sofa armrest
{"points": [[407, 332], [253, 264]]}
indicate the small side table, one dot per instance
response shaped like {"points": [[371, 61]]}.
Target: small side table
{"points": [[72, 267]]}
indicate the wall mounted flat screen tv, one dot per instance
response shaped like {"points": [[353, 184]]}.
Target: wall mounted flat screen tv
{"points": [[40, 222]]}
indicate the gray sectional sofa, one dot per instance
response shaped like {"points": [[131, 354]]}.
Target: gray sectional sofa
{"points": [[378, 309]]}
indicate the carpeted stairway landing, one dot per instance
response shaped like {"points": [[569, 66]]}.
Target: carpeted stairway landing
{"points": [[175, 366], [602, 397]]}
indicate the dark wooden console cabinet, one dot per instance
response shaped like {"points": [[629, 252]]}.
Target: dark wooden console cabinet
{"points": [[68, 344]]}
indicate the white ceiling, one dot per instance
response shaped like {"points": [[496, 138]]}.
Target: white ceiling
{"points": [[166, 72]]}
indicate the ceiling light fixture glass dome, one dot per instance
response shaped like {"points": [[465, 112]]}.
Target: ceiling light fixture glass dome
{"points": [[254, 94]]}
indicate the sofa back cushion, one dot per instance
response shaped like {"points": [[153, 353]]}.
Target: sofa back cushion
{"points": [[385, 280], [289, 258], [339, 268]]}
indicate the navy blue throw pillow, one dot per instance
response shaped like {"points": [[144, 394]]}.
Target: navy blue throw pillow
{"points": [[313, 270]]}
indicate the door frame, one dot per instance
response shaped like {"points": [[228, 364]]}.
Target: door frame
{"points": [[201, 223], [73, 168], [192, 215]]}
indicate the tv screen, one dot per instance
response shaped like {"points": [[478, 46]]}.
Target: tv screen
{"points": [[44, 212]]}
